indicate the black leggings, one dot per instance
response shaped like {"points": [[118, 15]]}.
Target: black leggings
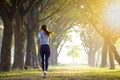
{"points": [[45, 53]]}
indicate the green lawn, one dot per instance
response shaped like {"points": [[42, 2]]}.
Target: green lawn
{"points": [[64, 73]]}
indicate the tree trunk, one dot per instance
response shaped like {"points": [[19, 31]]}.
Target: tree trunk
{"points": [[35, 63], [31, 56], [5, 64], [19, 43], [112, 65], [112, 47], [97, 59], [30, 45], [91, 58], [39, 57], [116, 55], [36, 60], [104, 55], [53, 56]]}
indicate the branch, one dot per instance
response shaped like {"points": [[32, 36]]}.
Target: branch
{"points": [[13, 9], [60, 48], [39, 4], [29, 8], [62, 6], [82, 38]]}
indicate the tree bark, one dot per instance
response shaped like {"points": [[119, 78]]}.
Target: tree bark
{"points": [[29, 50], [104, 55], [5, 64], [31, 56], [112, 65], [19, 43], [35, 62]]}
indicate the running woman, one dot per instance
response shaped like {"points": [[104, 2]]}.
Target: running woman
{"points": [[44, 50]]}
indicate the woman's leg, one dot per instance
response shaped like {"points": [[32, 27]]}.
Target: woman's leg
{"points": [[47, 55], [42, 56]]}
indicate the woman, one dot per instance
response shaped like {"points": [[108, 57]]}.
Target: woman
{"points": [[44, 36]]}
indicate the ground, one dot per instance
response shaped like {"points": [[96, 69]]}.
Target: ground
{"points": [[64, 73]]}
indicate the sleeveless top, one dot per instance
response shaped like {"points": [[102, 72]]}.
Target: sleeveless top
{"points": [[43, 37]]}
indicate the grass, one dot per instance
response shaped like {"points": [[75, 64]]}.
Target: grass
{"points": [[64, 73]]}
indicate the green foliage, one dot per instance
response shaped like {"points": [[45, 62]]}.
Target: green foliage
{"points": [[9, 2], [74, 51]]}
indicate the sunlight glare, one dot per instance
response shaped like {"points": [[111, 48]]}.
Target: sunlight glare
{"points": [[111, 14]]}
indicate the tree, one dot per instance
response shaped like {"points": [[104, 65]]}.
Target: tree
{"points": [[73, 52], [91, 42], [7, 12], [39, 15], [24, 9], [91, 16], [102, 30]]}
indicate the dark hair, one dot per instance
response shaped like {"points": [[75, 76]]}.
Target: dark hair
{"points": [[44, 28]]}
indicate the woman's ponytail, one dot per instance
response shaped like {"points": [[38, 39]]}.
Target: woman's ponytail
{"points": [[44, 28]]}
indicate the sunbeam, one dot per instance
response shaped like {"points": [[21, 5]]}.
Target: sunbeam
{"points": [[111, 14]]}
